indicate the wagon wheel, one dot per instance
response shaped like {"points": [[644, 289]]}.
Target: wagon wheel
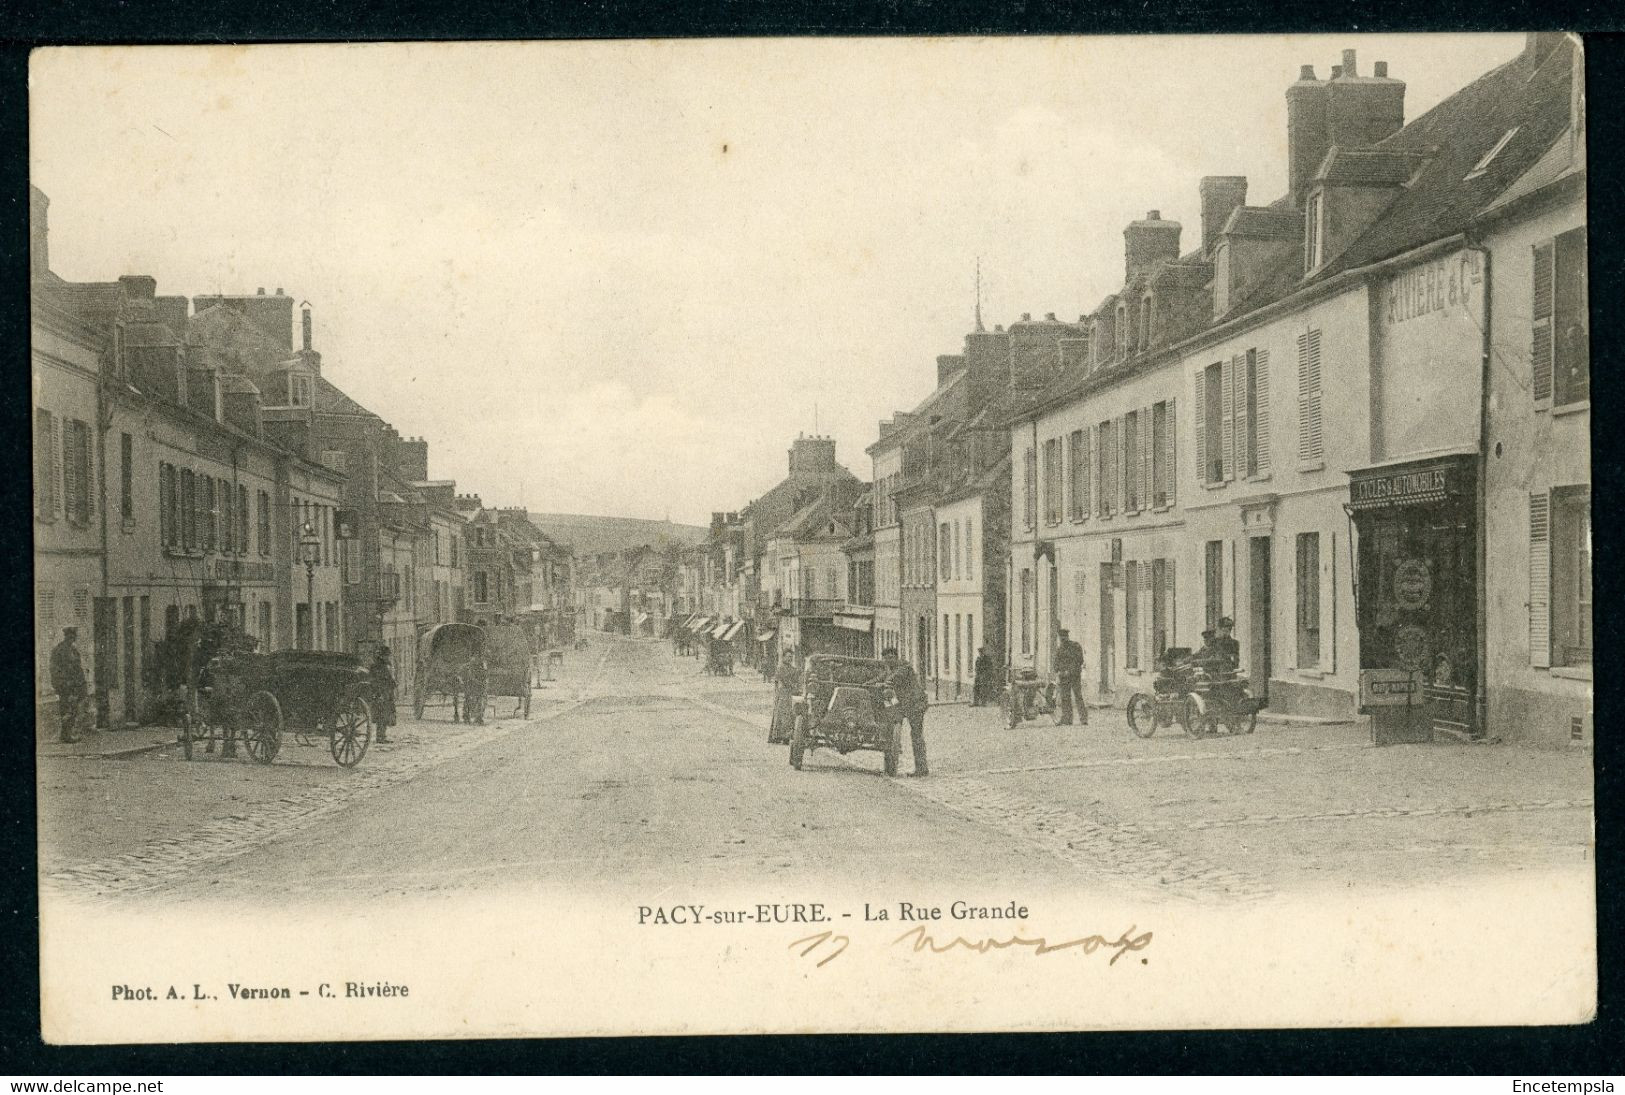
{"points": [[798, 741], [351, 731], [1142, 715], [186, 734], [262, 726]]}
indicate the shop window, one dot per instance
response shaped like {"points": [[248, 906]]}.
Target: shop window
{"points": [[1213, 584], [1560, 357], [1308, 577], [1078, 468]]}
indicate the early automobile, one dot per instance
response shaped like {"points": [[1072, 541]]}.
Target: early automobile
{"points": [[450, 658], [1204, 702], [319, 694], [846, 704]]}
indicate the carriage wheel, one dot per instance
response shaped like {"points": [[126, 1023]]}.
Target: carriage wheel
{"points": [[262, 726], [186, 735], [351, 732], [798, 742], [1142, 715]]}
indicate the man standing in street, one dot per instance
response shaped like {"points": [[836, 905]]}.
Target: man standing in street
{"points": [[382, 674], [982, 683], [68, 681], [1069, 668], [911, 703]]}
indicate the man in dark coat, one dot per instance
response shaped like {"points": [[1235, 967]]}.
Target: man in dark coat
{"points": [[1069, 671], [786, 683], [382, 672], [911, 703], [68, 681], [986, 671]]}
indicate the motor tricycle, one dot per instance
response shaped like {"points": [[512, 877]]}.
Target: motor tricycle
{"points": [[1205, 700]]}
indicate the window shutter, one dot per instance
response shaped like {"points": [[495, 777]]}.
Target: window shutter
{"points": [[1238, 376], [1309, 435], [58, 483], [1540, 354], [1146, 463], [1148, 633], [242, 520], [1227, 404], [1172, 603], [1131, 466], [1085, 470], [1200, 448], [1261, 413], [1540, 580], [1119, 470], [1170, 456]]}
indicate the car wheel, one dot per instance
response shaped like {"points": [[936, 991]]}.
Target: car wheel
{"points": [[798, 742], [1142, 715]]}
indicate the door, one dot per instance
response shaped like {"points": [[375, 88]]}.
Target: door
{"points": [[129, 660], [1108, 627], [1261, 598]]}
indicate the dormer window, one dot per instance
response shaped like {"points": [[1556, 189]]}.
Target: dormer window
{"points": [[1314, 233], [1145, 323], [299, 390], [1489, 157], [1122, 349]]}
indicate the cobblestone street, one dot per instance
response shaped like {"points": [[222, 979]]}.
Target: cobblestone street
{"points": [[635, 762]]}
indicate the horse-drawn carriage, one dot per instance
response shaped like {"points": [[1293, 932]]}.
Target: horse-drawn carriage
{"points": [[256, 698], [464, 665], [508, 665]]}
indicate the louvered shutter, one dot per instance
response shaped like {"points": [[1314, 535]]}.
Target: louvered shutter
{"points": [[1201, 426], [1170, 456], [1119, 467], [1227, 408], [242, 520], [1540, 353], [1172, 602], [1147, 465], [1261, 412], [1309, 393], [58, 481], [72, 486], [1097, 469], [1131, 466], [1540, 580], [1148, 631], [1131, 593], [1238, 376], [1085, 470]]}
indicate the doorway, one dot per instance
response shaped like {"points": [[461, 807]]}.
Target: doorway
{"points": [[1261, 598], [1108, 626], [129, 713]]}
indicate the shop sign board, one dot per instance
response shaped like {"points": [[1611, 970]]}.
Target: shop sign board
{"points": [[1389, 687]]}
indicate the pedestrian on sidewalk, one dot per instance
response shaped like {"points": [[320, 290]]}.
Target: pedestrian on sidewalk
{"points": [[911, 703], [982, 684], [68, 681], [382, 672], [785, 683], [1069, 669]]}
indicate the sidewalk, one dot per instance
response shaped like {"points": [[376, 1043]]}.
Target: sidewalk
{"points": [[109, 744]]}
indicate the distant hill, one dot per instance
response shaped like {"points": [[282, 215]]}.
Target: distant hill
{"points": [[590, 535]]}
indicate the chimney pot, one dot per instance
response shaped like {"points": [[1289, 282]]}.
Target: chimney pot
{"points": [[998, 328], [1348, 63], [1154, 215], [260, 292], [279, 290], [1381, 69], [1026, 317], [1306, 72], [1049, 316], [1337, 70]]}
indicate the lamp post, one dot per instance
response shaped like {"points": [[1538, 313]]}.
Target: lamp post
{"points": [[310, 550]]}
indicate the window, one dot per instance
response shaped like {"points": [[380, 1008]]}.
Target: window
{"points": [[1213, 584], [945, 551], [1313, 229], [1308, 600], [455, 541], [1560, 600], [1561, 353], [76, 470], [352, 561], [1105, 473], [970, 551], [1026, 611], [1078, 470], [1212, 401], [264, 523], [1161, 605], [209, 517], [1029, 494], [1161, 456], [1131, 615], [1131, 462], [242, 519], [126, 476], [1310, 447], [45, 465], [228, 518], [167, 534], [337, 459], [970, 639], [482, 587], [298, 390], [1145, 323], [947, 642], [1052, 481], [188, 514]]}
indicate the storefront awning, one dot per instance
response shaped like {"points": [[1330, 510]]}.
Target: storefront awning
{"points": [[765, 636], [698, 625], [640, 617], [716, 632], [733, 629]]}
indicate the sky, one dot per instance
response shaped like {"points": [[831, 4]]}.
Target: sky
{"points": [[620, 278]]}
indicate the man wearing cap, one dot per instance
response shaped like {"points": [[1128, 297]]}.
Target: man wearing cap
{"points": [[1069, 670], [1225, 644], [68, 681]]}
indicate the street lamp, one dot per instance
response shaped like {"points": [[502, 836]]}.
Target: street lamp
{"points": [[310, 551]]}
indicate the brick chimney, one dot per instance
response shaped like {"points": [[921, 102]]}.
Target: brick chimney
{"points": [[947, 366], [411, 459], [1362, 110], [304, 319], [1148, 242], [1307, 136], [1221, 195], [812, 455]]}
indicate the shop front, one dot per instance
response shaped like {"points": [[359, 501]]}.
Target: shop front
{"points": [[1416, 597]]}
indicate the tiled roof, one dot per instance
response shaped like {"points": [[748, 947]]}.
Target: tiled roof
{"points": [[330, 400]]}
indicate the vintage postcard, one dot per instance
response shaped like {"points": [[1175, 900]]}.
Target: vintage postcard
{"points": [[661, 537]]}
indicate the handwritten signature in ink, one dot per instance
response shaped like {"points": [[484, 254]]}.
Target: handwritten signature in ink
{"points": [[830, 945]]}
